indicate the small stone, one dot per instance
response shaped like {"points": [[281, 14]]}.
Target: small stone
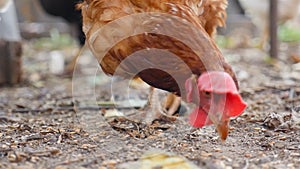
{"points": [[247, 155], [61, 167], [204, 141], [109, 163], [243, 75], [271, 144], [236, 165], [113, 113], [77, 130], [226, 158], [34, 159], [205, 154], [4, 146], [279, 145], [88, 146], [217, 150], [257, 128]]}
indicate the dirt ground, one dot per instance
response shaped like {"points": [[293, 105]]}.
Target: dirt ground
{"points": [[51, 121]]}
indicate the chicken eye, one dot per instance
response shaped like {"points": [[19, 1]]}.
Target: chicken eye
{"points": [[207, 94]]}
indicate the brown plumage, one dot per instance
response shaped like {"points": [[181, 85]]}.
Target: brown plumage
{"points": [[203, 14], [209, 13]]}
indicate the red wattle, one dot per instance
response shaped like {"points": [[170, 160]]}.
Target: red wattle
{"points": [[198, 118]]}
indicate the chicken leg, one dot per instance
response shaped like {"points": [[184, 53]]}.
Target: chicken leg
{"points": [[155, 110], [172, 104]]}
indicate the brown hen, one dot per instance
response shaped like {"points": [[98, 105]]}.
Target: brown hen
{"points": [[167, 44]]}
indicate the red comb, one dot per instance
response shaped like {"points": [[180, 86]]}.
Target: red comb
{"points": [[217, 82]]}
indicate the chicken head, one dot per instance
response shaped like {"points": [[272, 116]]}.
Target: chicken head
{"points": [[217, 99]]}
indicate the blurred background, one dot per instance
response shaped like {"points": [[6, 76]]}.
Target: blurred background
{"points": [[42, 78]]}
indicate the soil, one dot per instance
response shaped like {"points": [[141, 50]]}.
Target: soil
{"points": [[52, 121]]}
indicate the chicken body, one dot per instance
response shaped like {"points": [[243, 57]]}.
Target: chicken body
{"points": [[163, 42], [202, 14]]}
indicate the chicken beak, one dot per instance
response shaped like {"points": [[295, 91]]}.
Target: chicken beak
{"points": [[222, 126], [200, 117], [218, 117], [226, 106]]}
